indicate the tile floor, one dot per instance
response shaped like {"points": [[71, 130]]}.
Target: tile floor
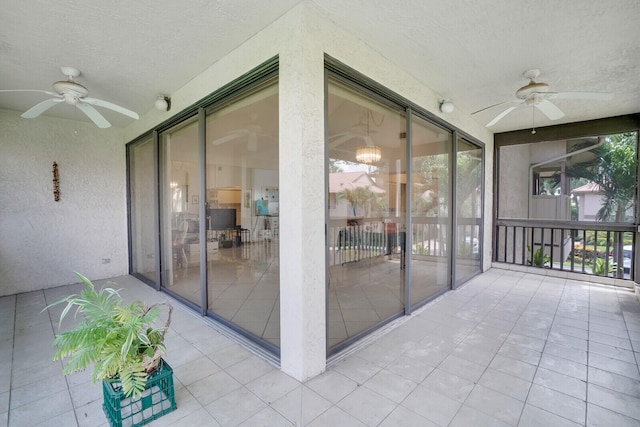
{"points": [[506, 349]]}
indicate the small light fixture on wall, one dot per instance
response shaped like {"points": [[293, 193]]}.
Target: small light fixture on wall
{"points": [[445, 106], [163, 103]]}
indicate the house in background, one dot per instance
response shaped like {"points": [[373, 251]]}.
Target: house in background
{"points": [[590, 200]]}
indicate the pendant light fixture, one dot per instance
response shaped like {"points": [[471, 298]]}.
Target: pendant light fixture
{"points": [[369, 153]]}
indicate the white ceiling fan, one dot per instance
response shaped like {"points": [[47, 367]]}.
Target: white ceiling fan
{"points": [[251, 133], [359, 130], [340, 138], [73, 93], [538, 95]]}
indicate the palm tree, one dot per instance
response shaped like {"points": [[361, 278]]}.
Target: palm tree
{"points": [[613, 170], [359, 197]]}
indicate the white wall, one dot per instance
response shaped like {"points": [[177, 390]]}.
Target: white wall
{"points": [[43, 242]]}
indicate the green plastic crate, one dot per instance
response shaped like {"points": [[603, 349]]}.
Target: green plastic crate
{"points": [[157, 399]]}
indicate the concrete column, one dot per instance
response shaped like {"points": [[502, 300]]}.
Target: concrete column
{"points": [[302, 207]]}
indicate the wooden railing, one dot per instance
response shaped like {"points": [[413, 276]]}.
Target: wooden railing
{"points": [[596, 248]]}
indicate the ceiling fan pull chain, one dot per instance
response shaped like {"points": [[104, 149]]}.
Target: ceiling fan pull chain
{"points": [[533, 121]]}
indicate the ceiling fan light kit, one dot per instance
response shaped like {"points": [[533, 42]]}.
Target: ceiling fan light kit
{"points": [[537, 95], [73, 93]]}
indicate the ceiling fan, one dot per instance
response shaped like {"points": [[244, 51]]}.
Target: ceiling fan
{"points": [[251, 133], [340, 138], [73, 93], [538, 95], [359, 130]]}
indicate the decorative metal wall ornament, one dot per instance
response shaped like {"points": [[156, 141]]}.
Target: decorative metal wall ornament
{"points": [[56, 183]]}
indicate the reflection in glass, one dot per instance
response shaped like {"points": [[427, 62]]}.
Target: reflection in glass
{"points": [[179, 211], [141, 188], [366, 223], [242, 205], [469, 166], [430, 148]]}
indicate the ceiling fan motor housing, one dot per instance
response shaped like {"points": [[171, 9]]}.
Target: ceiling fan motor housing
{"points": [[532, 88], [70, 90]]}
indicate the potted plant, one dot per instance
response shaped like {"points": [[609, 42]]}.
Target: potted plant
{"points": [[124, 342]]}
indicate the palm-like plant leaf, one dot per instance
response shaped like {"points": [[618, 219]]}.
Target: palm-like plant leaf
{"points": [[118, 339]]}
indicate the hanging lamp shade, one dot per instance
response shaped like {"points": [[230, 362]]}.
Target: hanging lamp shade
{"points": [[368, 154]]}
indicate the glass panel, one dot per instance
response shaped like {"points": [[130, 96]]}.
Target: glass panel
{"points": [[583, 179], [242, 201], [179, 210], [430, 154], [141, 188], [366, 225], [469, 209]]}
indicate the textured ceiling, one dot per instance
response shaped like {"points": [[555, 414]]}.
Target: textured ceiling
{"points": [[473, 54]]}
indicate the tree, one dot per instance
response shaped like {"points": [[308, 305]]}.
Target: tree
{"points": [[334, 166], [362, 198], [614, 171], [430, 184]]}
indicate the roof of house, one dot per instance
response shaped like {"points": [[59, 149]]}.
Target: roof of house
{"points": [[590, 187], [340, 181]]}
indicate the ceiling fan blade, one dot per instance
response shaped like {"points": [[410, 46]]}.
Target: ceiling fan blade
{"points": [[30, 90], [500, 116], [491, 106], [94, 115], [596, 96], [340, 139], [40, 108], [110, 106], [549, 109]]}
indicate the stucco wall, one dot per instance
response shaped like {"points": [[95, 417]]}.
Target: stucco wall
{"points": [[43, 242], [514, 182]]}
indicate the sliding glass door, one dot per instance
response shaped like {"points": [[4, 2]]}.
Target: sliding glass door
{"points": [[179, 219], [142, 208], [404, 208], [242, 213], [469, 173], [430, 207], [367, 199]]}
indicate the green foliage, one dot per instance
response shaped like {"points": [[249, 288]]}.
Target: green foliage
{"points": [[364, 198], [613, 169], [121, 341], [599, 267], [539, 259]]}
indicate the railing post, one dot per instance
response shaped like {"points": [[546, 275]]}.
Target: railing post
{"points": [[513, 245], [561, 249], [551, 251], [524, 245]]}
